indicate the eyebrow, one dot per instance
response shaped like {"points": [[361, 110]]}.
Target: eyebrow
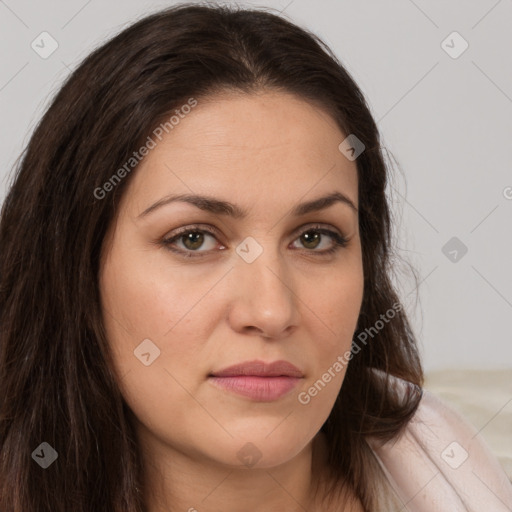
{"points": [[219, 207]]}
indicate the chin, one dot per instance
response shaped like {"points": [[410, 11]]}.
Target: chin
{"points": [[260, 451]]}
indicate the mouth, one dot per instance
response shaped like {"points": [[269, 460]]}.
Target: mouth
{"points": [[257, 380]]}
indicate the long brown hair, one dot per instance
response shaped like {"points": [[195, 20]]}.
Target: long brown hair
{"points": [[56, 378]]}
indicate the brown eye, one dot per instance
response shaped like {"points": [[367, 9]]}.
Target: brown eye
{"points": [[193, 238], [313, 237], [311, 241]]}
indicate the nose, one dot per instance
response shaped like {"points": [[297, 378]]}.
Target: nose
{"points": [[264, 301]]}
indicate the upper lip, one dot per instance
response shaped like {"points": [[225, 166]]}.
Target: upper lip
{"points": [[260, 369]]}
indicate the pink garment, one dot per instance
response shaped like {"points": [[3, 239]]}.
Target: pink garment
{"points": [[441, 463]]}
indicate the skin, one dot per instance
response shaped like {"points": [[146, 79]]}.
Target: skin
{"points": [[266, 152]]}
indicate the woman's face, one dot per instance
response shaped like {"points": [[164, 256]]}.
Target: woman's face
{"points": [[238, 288]]}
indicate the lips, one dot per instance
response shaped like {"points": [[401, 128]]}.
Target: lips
{"points": [[261, 369], [257, 380]]}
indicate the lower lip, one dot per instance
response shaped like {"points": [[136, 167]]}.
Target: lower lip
{"points": [[262, 389]]}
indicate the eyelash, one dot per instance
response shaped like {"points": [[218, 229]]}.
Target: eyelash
{"points": [[339, 240]]}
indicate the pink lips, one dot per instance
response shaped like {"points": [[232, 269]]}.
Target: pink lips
{"points": [[258, 380]]}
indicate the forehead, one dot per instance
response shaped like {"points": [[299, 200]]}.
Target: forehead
{"points": [[267, 148]]}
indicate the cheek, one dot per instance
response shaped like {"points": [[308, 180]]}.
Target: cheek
{"points": [[145, 293], [338, 304], [149, 309], [338, 307], [155, 338]]}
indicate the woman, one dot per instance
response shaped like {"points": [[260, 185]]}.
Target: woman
{"points": [[196, 304]]}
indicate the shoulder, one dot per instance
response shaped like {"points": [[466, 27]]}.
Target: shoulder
{"points": [[441, 462]]}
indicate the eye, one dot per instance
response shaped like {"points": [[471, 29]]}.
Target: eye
{"points": [[192, 238], [312, 238]]}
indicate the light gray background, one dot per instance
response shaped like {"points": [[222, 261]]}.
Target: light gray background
{"points": [[447, 121]]}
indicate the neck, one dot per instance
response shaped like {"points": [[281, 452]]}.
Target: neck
{"points": [[178, 481]]}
